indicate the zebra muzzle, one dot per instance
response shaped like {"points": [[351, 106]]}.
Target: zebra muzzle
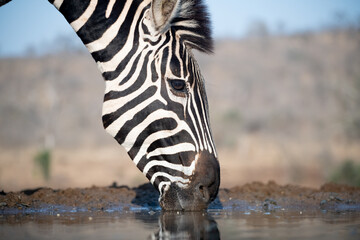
{"points": [[201, 191]]}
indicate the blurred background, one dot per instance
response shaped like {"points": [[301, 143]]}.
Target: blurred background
{"points": [[283, 87]]}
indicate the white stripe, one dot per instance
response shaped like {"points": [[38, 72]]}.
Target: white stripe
{"points": [[58, 3], [116, 85], [161, 186], [113, 128], [207, 125], [187, 23], [78, 23], [177, 54], [170, 150], [111, 32], [194, 123], [186, 32], [114, 104], [157, 115], [157, 135], [113, 63], [202, 120], [171, 178], [109, 8], [152, 138], [178, 167], [198, 120]]}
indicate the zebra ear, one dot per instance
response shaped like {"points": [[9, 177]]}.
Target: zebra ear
{"points": [[162, 12]]}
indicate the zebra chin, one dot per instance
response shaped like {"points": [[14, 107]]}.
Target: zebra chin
{"points": [[200, 191]]}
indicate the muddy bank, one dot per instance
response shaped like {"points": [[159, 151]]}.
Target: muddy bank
{"points": [[252, 196]]}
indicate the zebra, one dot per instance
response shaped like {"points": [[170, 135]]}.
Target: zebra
{"points": [[155, 103]]}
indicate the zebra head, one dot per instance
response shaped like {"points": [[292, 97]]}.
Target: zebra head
{"points": [[159, 111], [155, 103]]}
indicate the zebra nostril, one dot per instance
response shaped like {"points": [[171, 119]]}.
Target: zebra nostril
{"points": [[202, 193]]}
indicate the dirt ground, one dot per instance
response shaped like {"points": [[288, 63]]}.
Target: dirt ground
{"points": [[255, 195]]}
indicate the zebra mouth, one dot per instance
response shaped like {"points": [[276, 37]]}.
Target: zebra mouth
{"points": [[184, 199], [199, 193]]}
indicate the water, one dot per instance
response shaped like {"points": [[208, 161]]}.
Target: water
{"points": [[154, 224]]}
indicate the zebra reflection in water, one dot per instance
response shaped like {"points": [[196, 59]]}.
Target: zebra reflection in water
{"points": [[186, 225]]}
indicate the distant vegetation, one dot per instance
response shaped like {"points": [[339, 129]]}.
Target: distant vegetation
{"points": [[301, 86], [347, 173], [283, 101], [43, 161]]}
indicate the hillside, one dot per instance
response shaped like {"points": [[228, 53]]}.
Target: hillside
{"points": [[283, 108]]}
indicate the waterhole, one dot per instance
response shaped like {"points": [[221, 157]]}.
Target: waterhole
{"points": [[155, 224], [251, 211]]}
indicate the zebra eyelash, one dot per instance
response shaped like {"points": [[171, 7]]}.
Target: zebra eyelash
{"points": [[178, 87]]}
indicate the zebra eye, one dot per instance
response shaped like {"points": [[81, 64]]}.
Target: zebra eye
{"points": [[178, 85]]}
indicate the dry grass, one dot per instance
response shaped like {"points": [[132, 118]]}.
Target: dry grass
{"points": [[69, 168], [282, 108]]}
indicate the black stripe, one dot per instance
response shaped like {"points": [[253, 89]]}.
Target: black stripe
{"points": [[167, 40], [145, 29], [171, 172], [148, 40], [175, 66], [177, 158], [158, 180], [180, 137], [111, 117], [164, 61], [109, 76], [197, 122], [183, 54], [156, 126], [97, 24], [154, 74], [129, 125], [119, 41], [138, 83], [72, 10]]}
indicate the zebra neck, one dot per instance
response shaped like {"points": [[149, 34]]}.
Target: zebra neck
{"points": [[105, 26]]}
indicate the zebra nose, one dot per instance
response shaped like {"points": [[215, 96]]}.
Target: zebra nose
{"points": [[207, 178], [205, 184], [202, 193], [203, 187]]}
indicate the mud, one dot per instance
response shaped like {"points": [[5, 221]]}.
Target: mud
{"points": [[253, 196]]}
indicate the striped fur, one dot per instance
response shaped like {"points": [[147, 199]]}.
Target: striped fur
{"points": [[163, 130]]}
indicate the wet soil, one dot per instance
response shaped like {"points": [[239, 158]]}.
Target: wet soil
{"points": [[256, 195]]}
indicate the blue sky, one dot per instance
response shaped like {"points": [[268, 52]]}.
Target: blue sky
{"points": [[25, 23]]}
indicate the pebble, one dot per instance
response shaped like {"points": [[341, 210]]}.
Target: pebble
{"points": [[339, 199], [90, 218], [58, 215]]}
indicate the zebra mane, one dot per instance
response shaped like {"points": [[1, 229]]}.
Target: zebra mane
{"points": [[3, 2], [192, 24]]}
